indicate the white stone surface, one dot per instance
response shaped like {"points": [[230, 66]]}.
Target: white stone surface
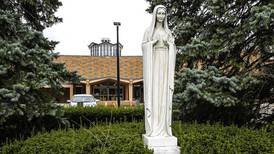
{"points": [[159, 56], [160, 141], [166, 150], [162, 145]]}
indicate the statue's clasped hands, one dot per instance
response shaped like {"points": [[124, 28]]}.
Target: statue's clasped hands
{"points": [[164, 41]]}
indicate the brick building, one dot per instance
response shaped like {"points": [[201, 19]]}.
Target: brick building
{"points": [[99, 73]]}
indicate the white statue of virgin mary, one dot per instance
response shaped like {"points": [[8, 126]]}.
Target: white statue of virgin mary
{"points": [[159, 54]]}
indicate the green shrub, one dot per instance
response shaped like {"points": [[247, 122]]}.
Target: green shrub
{"points": [[205, 138], [126, 138], [19, 126], [116, 138], [87, 116]]}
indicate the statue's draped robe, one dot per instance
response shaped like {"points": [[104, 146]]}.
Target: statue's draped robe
{"points": [[158, 91]]}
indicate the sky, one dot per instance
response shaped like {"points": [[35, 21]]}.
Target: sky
{"points": [[86, 21]]}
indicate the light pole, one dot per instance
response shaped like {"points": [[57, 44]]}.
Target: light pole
{"points": [[117, 24]]}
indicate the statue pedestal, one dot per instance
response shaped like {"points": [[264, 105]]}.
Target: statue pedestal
{"points": [[162, 145]]}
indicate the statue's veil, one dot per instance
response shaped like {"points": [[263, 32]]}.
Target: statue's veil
{"points": [[152, 25]]}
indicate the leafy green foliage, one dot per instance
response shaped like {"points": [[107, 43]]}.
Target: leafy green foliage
{"points": [[126, 138], [88, 116], [122, 138], [205, 138], [27, 60], [237, 38], [19, 127]]}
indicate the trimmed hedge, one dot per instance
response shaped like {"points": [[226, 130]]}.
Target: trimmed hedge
{"points": [[208, 139], [126, 138], [107, 139], [88, 116], [18, 126]]}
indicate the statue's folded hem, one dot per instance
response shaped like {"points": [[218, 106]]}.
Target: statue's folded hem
{"points": [[162, 145]]}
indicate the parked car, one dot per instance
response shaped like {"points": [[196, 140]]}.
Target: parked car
{"points": [[83, 100]]}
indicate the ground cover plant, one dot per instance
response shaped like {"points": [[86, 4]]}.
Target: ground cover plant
{"points": [[126, 138]]}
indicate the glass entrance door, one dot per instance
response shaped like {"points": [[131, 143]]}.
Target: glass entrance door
{"points": [[107, 93]]}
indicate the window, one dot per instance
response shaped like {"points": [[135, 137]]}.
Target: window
{"points": [[107, 92]]}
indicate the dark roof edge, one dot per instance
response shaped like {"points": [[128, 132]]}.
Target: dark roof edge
{"points": [[97, 56]]}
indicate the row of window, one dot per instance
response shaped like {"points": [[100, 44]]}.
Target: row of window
{"points": [[107, 93], [104, 50]]}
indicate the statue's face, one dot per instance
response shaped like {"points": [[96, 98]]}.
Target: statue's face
{"points": [[161, 14]]}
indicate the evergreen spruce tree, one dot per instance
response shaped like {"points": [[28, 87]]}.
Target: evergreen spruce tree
{"points": [[227, 47], [27, 59]]}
